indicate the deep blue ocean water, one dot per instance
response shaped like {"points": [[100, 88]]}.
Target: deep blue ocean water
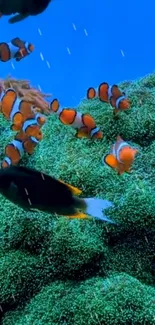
{"points": [[82, 43]]}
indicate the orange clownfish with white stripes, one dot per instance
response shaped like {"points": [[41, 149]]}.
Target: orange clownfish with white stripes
{"points": [[15, 49], [32, 127], [20, 113], [10, 107], [121, 156], [110, 94], [83, 123], [15, 150]]}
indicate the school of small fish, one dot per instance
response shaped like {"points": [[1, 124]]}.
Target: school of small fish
{"points": [[27, 110]]}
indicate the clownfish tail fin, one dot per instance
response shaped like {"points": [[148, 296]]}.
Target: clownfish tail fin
{"points": [[94, 207]]}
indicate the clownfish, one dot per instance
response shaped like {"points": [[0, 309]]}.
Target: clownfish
{"points": [[20, 112], [32, 189], [32, 126], [9, 106], [15, 150], [15, 49], [110, 94], [121, 156], [83, 123]]}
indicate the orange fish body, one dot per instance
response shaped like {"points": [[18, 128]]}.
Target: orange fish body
{"points": [[118, 100], [31, 122], [29, 143], [15, 150], [121, 156], [18, 111], [83, 123], [9, 107], [110, 94], [32, 129], [103, 93], [15, 49]]}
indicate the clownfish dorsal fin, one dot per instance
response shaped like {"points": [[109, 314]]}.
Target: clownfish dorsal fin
{"points": [[135, 151], [54, 105], [91, 93], [119, 138]]}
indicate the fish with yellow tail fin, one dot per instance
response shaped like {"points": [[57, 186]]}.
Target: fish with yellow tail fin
{"points": [[83, 123], [121, 156], [31, 189]]}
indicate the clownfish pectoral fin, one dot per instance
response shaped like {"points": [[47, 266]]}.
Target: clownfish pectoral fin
{"points": [[122, 169], [115, 113], [119, 138], [91, 93], [135, 151], [74, 190], [82, 133], [110, 160], [120, 172], [16, 127], [79, 215]]}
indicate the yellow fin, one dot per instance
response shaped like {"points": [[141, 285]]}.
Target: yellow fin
{"points": [[82, 133], [73, 189], [79, 215]]}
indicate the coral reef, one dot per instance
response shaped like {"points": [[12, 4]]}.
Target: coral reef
{"points": [[59, 271], [18, 100]]}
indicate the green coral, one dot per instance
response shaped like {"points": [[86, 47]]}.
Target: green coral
{"points": [[119, 299], [63, 271], [20, 277]]}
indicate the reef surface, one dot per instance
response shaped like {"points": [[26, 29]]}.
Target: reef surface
{"points": [[76, 272]]}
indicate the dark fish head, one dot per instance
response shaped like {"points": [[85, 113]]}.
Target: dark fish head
{"points": [[32, 189], [23, 8], [33, 7], [38, 6]]}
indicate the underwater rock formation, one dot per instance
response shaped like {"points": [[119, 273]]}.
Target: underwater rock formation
{"points": [[60, 271], [116, 300]]}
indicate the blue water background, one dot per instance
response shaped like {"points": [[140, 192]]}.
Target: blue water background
{"points": [[113, 41]]}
